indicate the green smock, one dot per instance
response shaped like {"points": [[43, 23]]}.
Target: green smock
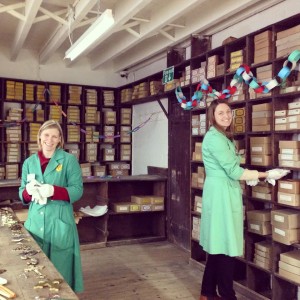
{"points": [[52, 225], [221, 229]]}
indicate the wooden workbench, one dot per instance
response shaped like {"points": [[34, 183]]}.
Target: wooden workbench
{"points": [[24, 287]]}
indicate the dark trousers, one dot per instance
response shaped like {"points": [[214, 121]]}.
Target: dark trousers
{"points": [[218, 274]]}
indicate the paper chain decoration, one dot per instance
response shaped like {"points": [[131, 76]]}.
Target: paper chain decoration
{"points": [[243, 73], [18, 123]]}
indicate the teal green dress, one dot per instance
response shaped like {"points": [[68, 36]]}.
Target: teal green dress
{"points": [[52, 225], [221, 229]]}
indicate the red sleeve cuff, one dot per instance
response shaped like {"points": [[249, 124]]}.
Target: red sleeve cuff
{"points": [[26, 196], [60, 193]]}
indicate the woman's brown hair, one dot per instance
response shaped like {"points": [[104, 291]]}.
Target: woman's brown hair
{"points": [[228, 132]]}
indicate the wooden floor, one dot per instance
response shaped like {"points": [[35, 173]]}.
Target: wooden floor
{"points": [[141, 271], [157, 270]]}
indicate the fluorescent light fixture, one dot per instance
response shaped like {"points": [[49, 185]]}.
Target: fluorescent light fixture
{"points": [[91, 35]]}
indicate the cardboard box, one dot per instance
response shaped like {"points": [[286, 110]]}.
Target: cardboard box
{"points": [[264, 246], [260, 140], [260, 149], [141, 199], [262, 107], [121, 207], [289, 275], [290, 268], [261, 160], [262, 264], [259, 215], [286, 236], [291, 257], [289, 144], [157, 207], [262, 228], [261, 128], [261, 195], [285, 218], [288, 199], [289, 186]]}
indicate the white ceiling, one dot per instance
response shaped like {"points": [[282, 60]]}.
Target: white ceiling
{"points": [[142, 29]]}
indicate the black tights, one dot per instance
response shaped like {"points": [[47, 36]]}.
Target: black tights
{"points": [[218, 273]]}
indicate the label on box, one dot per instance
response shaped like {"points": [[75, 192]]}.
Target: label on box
{"points": [[256, 149], [279, 231], [255, 227], [285, 197], [279, 218], [284, 185]]}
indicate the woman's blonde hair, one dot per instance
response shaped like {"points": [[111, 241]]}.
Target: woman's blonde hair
{"points": [[51, 124]]}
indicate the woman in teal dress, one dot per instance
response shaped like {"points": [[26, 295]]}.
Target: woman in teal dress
{"points": [[221, 229], [51, 183]]}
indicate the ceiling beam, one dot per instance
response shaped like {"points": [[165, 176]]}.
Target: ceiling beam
{"points": [[31, 10], [223, 12], [46, 17], [62, 31], [165, 15], [10, 9]]}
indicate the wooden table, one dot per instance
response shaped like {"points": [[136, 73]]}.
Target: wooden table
{"points": [[11, 261]]}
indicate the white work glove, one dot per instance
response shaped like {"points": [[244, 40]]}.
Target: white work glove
{"points": [[46, 190], [37, 198], [32, 186], [252, 182], [276, 174]]}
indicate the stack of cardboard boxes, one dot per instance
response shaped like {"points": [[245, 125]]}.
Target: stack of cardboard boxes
{"points": [[289, 265], [260, 150], [212, 63], [139, 203], [236, 59], [289, 152], [262, 117], [259, 221], [263, 47], [289, 192], [199, 124], [75, 94], [286, 226], [126, 116], [108, 98], [263, 254], [196, 228], [91, 97], [197, 154], [239, 120], [198, 74], [288, 119], [262, 190], [198, 178], [287, 41], [186, 76], [126, 95]]}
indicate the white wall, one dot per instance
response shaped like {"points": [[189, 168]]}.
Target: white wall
{"points": [[27, 67], [150, 143]]}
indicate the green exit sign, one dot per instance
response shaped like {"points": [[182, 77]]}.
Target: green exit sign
{"points": [[168, 75]]}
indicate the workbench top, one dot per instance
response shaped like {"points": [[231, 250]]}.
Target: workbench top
{"points": [[19, 281]]}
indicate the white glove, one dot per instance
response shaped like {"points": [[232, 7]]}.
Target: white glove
{"points": [[46, 190], [276, 174], [32, 186], [37, 198], [252, 182]]}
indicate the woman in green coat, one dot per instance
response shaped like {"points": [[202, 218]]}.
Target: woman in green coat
{"points": [[51, 183], [221, 230]]}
